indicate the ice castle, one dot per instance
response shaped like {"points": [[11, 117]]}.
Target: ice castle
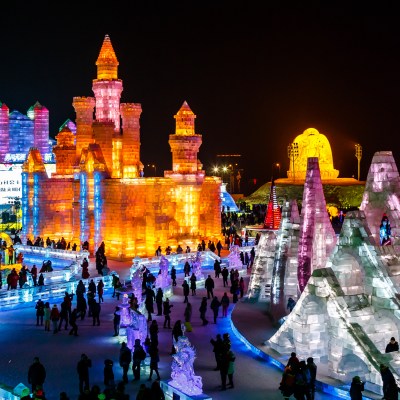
{"points": [[98, 192], [348, 307]]}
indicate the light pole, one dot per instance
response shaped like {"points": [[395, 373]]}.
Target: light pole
{"points": [[274, 166], [358, 156], [293, 153]]}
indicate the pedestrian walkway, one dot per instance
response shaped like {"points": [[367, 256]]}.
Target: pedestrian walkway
{"points": [[255, 378]]}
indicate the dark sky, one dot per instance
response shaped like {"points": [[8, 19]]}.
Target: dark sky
{"points": [[256, 77]]}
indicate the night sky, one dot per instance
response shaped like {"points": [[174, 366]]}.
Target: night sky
{"points": [[255, 77]]}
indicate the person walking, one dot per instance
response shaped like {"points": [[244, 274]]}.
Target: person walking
{"points": [[356, 388], [225, 274], [96, 308], [159, 301], [63, 315], [34, 273], [149, 302], [154, 360], [219, 248], [72, 322], [83, 372], [100, 290], [186, 290], [215, 304], [173, 275], [203, 309], [39, 312], [186, 268], [167, 313], [187, 314], [193, 280], [393, 345], [209, 285], [55, 317], [231, 368], [225, 304], [81, 305], [116, 320], [125, 358], [138, 356], [36, 374]]}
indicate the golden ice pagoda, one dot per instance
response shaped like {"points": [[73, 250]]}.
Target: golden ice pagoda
{"points": [[98, 192]]}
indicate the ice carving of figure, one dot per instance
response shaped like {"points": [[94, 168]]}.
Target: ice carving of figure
{"points": [[234, 257], [137, 329], [385, 231], [196, 267], [163, 280], [124, 313], [182, 372], [136, 282]]}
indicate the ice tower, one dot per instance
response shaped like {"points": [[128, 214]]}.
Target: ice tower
{"points": [[317, 236], [98, 192]]}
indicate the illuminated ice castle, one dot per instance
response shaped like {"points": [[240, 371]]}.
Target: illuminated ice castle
{"points": [[98, 193]]}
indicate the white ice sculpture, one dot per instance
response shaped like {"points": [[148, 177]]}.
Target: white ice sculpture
{"points": [[182, 374], [234, 257], [196, 267], [137, 329], [163, 280], [136, 282], [124, 313]]}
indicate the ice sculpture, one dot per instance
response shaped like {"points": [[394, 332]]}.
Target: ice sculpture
{"points": [[317, 236], [124, 311], [163, 280], [137, 328], [349, 309], [182, 371], [234, 257], [99, 192], [273, 215], [136, 282], [196, 267]]}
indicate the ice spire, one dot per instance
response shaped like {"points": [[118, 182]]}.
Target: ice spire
{"points": [[107, 63]]}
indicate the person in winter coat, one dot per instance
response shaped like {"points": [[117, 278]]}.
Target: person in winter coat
{"points": [[36, 374], [116, 320], [241, 286], [138, 356], [231, 368], [153, 331], [187, 314], [96, 308], [218, 350], [313, 376], [186, 290], [109, 381], [63, 315], [154, 360], [72, 322], [149, 302], [83, 372], [55, 317], [125, 358], [209, 285], [225, 304], [287, 383], [193, 280], [81, 306], [159, 301], [47, 318], [393, 345], [215, 304], [173, 275], [390, 390], [167, 313], [203, 309], [356, 388], [39, 312], [100, 290], [156, 391]]}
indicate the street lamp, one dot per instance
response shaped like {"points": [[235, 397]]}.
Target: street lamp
{"points": [[153, 166], [293, 153], [358, 156], [274, 166]]}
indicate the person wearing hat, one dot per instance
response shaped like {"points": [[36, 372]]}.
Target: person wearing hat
{"points": [[356, 388], [393, 345]]}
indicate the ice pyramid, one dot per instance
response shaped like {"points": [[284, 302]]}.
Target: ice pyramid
{"points": [[349, 310], [317, 236]]}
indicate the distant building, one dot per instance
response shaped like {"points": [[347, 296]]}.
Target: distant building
{"points": [[97, 192]]}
